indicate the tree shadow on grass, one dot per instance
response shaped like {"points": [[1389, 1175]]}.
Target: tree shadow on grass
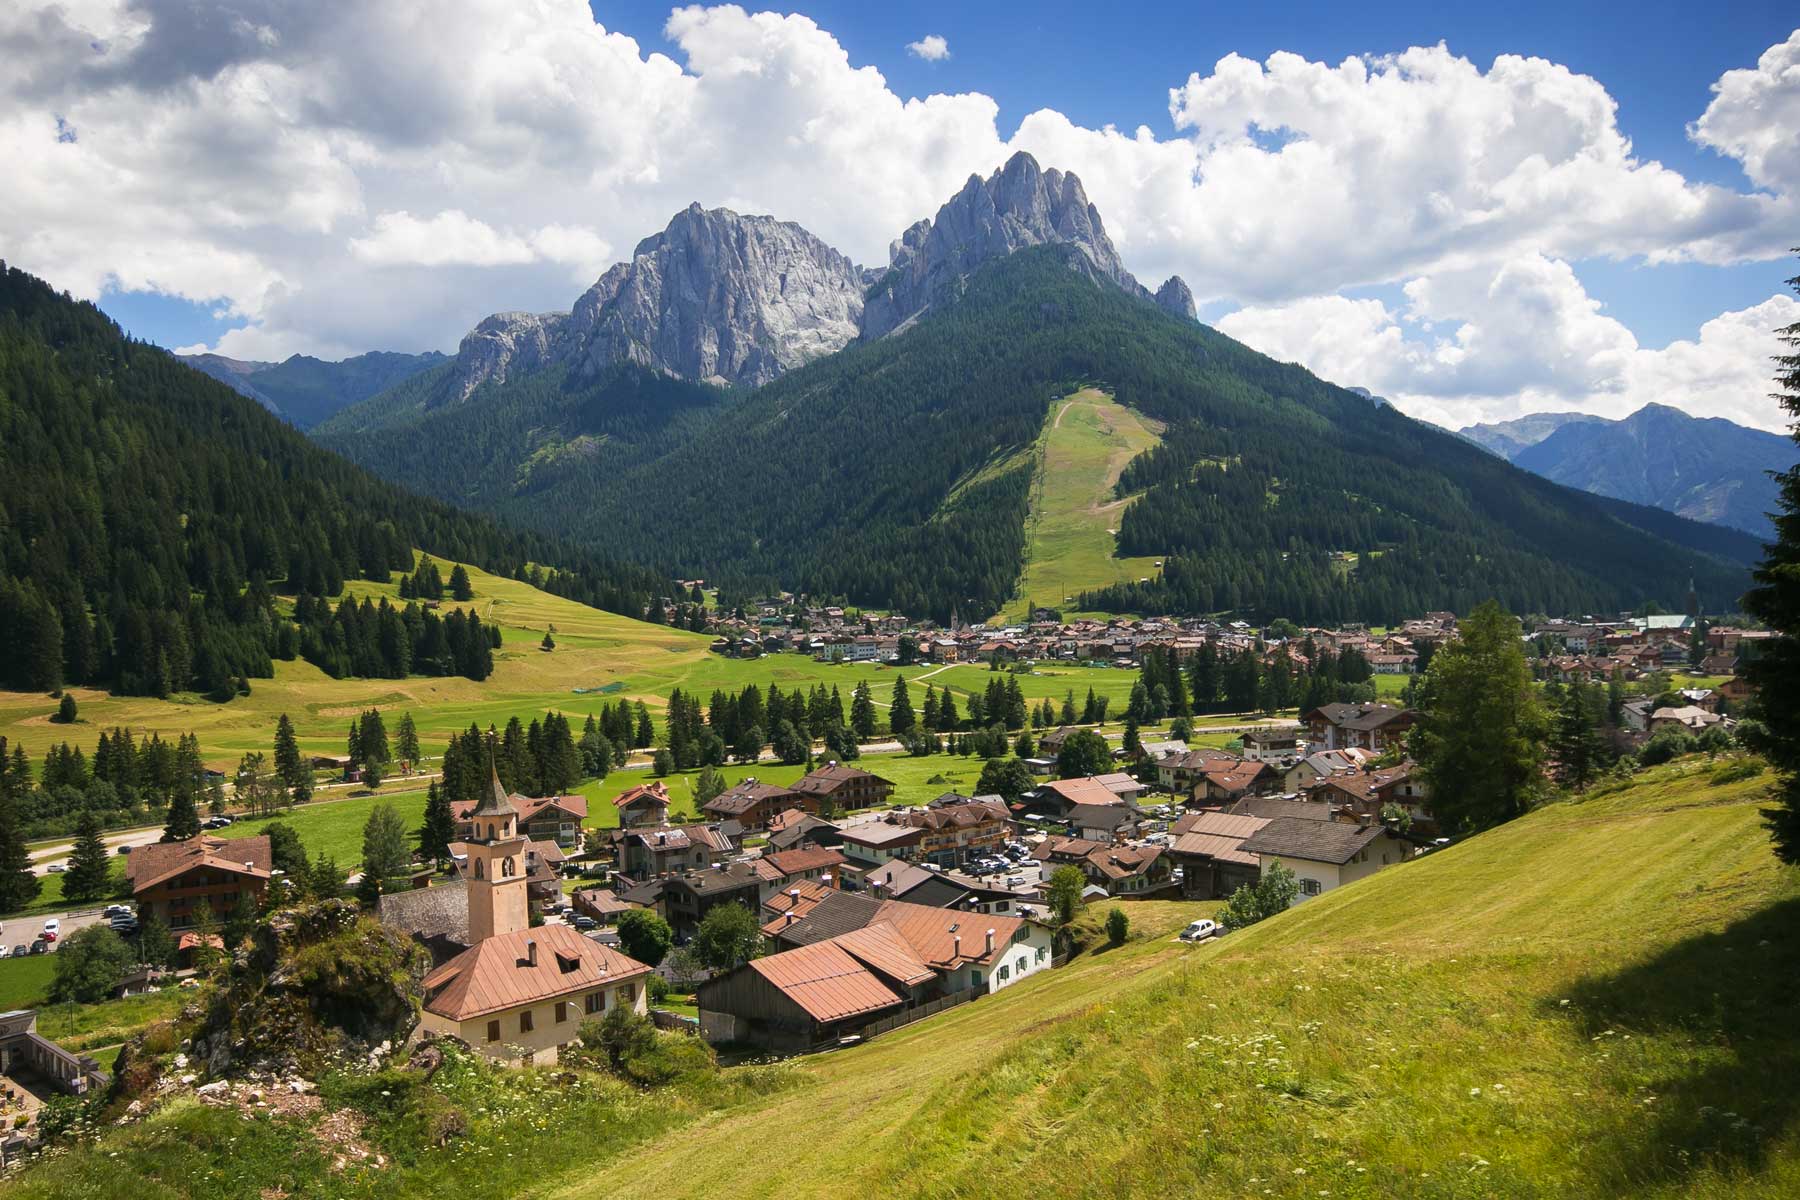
{"points": [[1735, 996]]}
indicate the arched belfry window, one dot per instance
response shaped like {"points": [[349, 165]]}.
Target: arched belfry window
{"points": [[478, 871], [506, 865]]}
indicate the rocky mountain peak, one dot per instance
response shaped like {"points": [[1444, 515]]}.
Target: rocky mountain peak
{"points": [[1019, 205], [722, 298], [1176, 298], [503, 344]]}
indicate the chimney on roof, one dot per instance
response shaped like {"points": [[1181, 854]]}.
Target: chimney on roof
{"points": [[792, 916], [956, 945], [530, 952], [794, 895], [990, 943]]}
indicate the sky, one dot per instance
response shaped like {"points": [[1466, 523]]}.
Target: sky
{"points": [[1475, 211]]}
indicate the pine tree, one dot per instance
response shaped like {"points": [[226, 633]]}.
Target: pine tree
{"points": [[862, 712], [384, 844], [1575, 745], [19, 884], [1775, 671], [438, 829], [289, 767], [183, 820], [460, 588], [900, 710], [65, 711], [929, 712], [1480, 731], [406, 742]]}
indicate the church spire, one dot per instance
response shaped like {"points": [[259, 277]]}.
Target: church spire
{"points": [[495, 803]]}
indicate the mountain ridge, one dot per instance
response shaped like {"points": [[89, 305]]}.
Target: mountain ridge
{"points": [[306, 390], [1703, 468]]}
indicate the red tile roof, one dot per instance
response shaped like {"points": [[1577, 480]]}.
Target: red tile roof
{"points": [[160, 862], [826, 981], [494, 975]]}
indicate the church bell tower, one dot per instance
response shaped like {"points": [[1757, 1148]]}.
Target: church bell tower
{"points": [[495, 872]]}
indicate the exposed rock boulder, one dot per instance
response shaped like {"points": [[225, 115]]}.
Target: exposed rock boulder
{"points": [[1019, 205]]}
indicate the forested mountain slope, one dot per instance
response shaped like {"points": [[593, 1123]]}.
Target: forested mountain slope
{"points": [[307, 390], [144, 507], [885, 473]]}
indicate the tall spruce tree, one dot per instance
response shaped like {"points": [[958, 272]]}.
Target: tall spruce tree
{"points": [[1575, 745], [183, 820], [19, 884], [1480, 733], [289, 767], [406, 741], [1775, 600], [900, 709], [89, 868], [439, 827]]}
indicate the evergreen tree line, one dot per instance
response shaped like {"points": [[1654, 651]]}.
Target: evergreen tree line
{"points": [[374, 639], [126, 780], [540, 759], [1248, 680], [147, 512]]}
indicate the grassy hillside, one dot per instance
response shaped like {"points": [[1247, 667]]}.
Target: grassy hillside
{"points": [[1070, 541], [594, 649], [1593, 1001]]}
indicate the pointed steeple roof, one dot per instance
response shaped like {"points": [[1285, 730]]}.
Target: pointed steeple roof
{"points": [[495, 803]]}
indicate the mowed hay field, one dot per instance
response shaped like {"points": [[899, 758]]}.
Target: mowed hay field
{"points": [[1069, 536], [594, 649], [1593, 1001]]}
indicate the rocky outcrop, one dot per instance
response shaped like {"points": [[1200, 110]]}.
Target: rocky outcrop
{"points": [[1019, 205], [715, 297], [505, 343], [721, 298], [1175, 297]]}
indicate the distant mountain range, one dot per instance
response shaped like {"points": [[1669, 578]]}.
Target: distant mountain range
{"points": [[308, 390], [740, 401], [1703, 468]]}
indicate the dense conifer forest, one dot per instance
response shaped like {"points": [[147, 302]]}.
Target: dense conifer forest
{"points": [[150, 516], [892, 473]]}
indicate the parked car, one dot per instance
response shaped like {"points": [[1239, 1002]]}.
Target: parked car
{"points": [[113, 910], [52, 927], [124, 849], [585, 922], [40, 947], [56, 868], [1199, 931], [216, 823], [1015, 881], [21, 950]]}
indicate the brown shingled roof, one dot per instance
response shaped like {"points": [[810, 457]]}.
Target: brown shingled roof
{"points": [[826, 981]]}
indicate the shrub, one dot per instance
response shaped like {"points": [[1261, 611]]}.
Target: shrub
{"points": [[89, 965], [622, 1035], [1666, 744], [670, 1057], [657, 989], [1118, 926], [1737, 771], [1273, 893], [645, 936]]}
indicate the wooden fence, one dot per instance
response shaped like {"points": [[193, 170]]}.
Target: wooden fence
{"points": [[910, 1015]]}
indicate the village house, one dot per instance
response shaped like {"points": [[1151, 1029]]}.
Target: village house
{"points": [[872, 843], [1272, 745], [541, 818], [1230, 780], [1209, 849], [942, 889], [1319, 764], [1128, 870], [957, 827], [1690, 717], [753, 803], [795, 827], [1181, 773], [834, 788], [643, 806], [644, 853], [1368, 726], [601, 904], [1104, 823], [172, 880], [1326, 854], [898, 957]]}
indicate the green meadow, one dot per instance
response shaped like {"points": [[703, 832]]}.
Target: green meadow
{"points": [[1070, 542]]}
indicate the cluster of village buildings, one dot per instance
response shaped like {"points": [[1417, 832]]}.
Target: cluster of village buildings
{"points": [[875, 915]]}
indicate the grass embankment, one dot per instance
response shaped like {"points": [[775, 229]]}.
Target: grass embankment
{"points": [[594, 649], [1070, 542], [1592, 1001], [1407, 1036]]}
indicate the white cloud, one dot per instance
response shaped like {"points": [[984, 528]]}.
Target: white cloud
{"points": [[931, 48], [1754, 115], [347, 176], [1524, 337]]}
